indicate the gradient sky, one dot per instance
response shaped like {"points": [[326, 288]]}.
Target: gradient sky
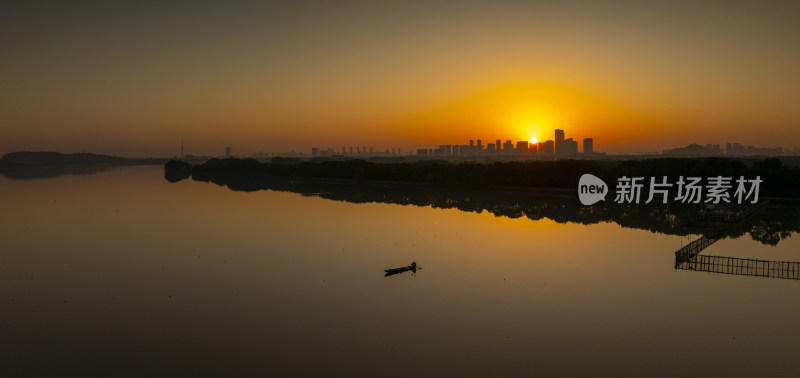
{"points": [[133, 78]]}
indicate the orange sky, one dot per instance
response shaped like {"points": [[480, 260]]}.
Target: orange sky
{"points": [[133, 79], [520, 112]]}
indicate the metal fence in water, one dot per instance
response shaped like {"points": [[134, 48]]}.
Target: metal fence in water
{"points": [[742, 267], [691, 250], [688, 257]]}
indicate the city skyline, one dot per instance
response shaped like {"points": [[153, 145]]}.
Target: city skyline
{"points": [[558, 147], [532, 147]]}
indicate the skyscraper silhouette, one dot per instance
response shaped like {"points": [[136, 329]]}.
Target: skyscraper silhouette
{"points": [[559, 147], [588, 145]]}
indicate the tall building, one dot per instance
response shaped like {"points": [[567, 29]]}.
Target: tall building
{"points": [[227, 152], [559, 145], [522, 146], [588, 145], [547, 148], [497, 145], [569, 147]]}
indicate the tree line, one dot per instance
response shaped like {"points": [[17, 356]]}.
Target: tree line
{"points": [[779, 180]]}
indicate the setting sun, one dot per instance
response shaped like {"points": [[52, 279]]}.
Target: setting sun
{"points": [[534, 140]]}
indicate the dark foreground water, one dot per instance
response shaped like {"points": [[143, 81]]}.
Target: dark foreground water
{"points": [[120, 273]]}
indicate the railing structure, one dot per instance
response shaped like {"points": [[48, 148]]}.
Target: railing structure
{"points": [[688, 257], [694, 248], [691, 250], [742, 267]]}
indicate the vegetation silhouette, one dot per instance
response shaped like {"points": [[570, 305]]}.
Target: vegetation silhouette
{"points": [[51, 171], [777, 221], [27, 165], [45, 158], [176, 170], [779, 180]]}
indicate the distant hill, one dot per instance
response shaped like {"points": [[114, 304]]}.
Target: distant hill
{"points": [[44, 158], [692, 150]]}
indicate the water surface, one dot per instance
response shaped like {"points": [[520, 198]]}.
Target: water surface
{"points": [[121, 273]]}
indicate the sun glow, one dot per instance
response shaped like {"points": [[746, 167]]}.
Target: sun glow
{"points": [[521, 112], [533, 127]]}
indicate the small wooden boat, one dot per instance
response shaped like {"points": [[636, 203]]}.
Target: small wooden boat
{"points": [[412, 267]]}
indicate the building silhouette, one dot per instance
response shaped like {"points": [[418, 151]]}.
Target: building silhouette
{"points": [[569, 147], [559, 143], [561, 147], [547, 148]]}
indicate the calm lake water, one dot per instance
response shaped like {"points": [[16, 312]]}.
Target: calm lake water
{"points": [[121, 273]]}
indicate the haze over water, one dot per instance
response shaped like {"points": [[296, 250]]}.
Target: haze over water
{"points": [[121, 273]]}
